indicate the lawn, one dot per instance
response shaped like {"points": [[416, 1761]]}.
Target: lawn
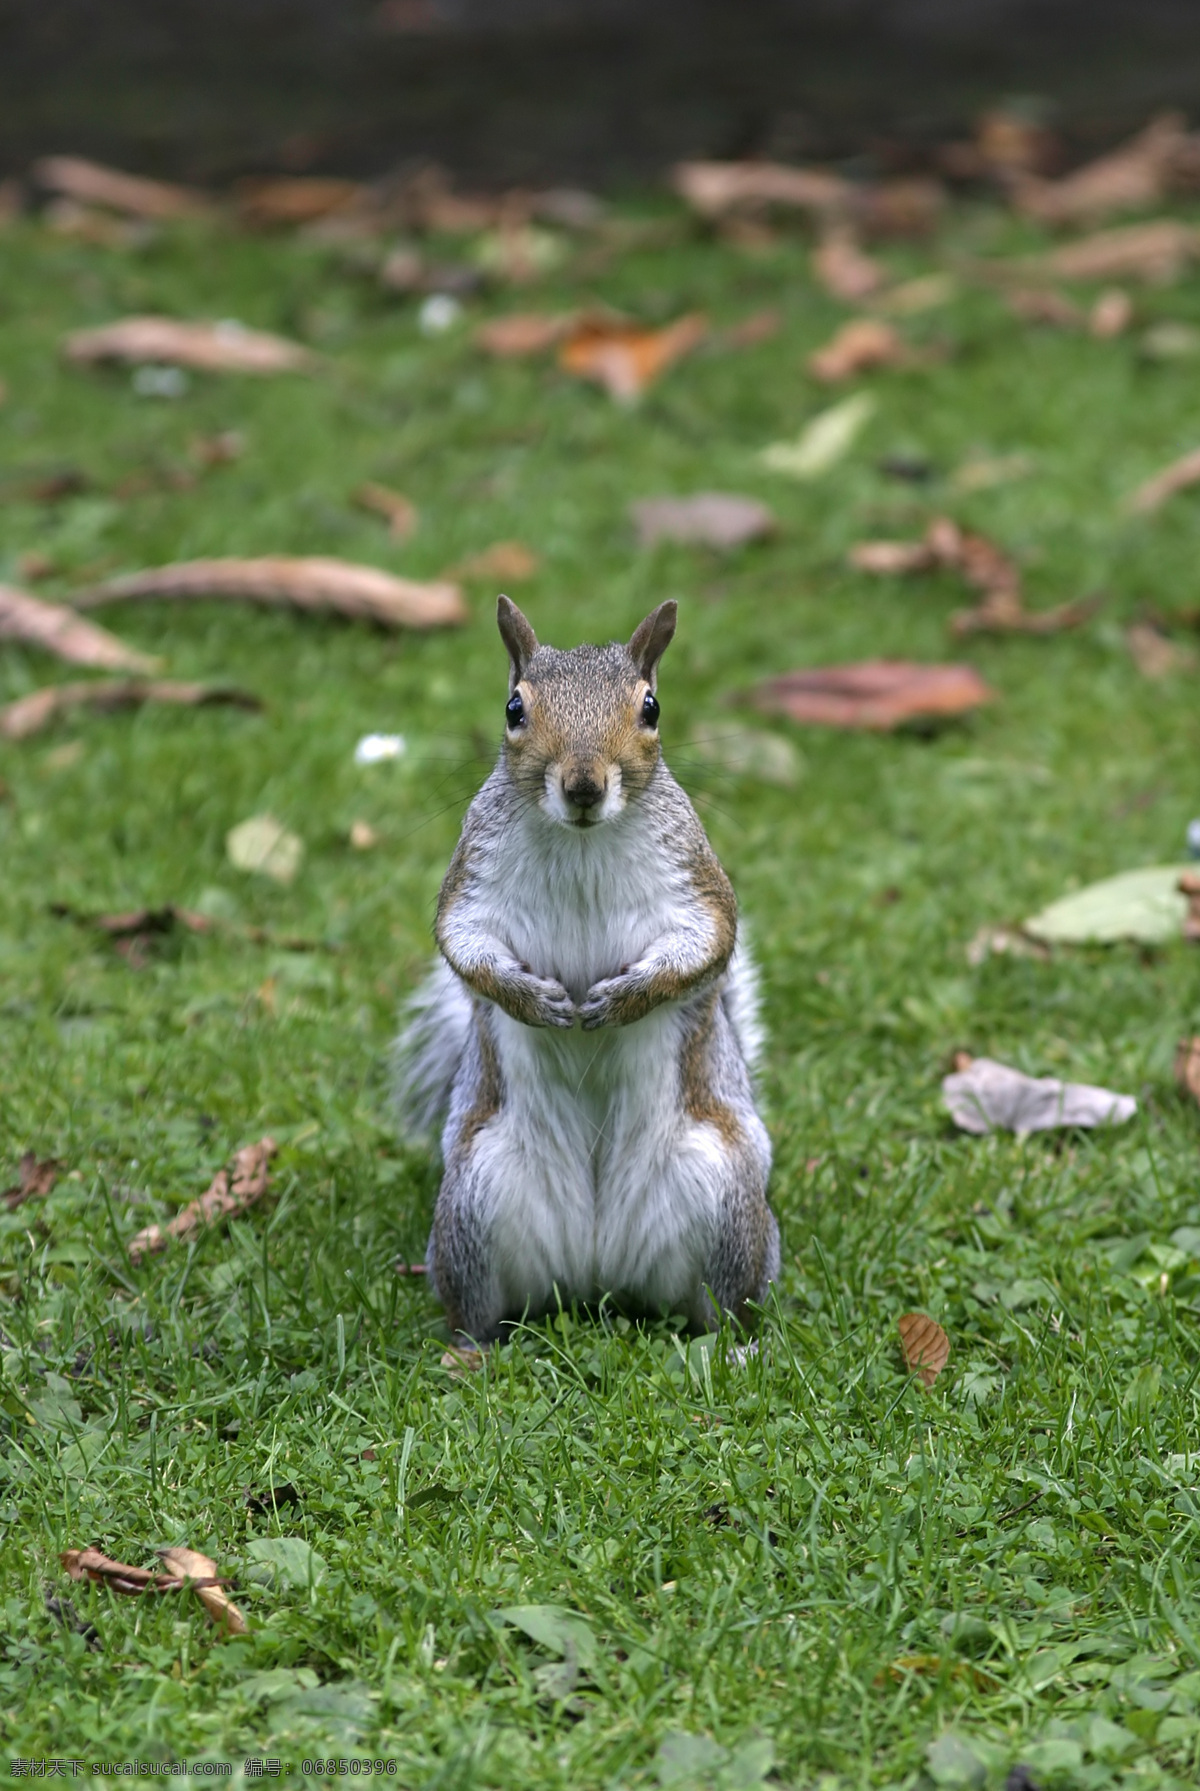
{"points": [[610, 1558]]}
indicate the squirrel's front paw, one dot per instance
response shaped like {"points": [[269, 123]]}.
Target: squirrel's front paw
{"points": [[608, 1003], [546, 1003]]}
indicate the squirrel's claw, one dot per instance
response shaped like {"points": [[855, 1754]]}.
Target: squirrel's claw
{"points": [[550, 1004]]}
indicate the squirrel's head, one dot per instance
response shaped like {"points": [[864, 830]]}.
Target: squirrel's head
{"points": [[581, 733]]}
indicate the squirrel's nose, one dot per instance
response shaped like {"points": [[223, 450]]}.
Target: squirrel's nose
{"points": [[582, 791]]}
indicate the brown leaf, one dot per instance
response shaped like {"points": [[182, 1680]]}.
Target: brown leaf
{"points": [[36, 1180], [33, 713], [1174, 478], [1010, 143], [1136, 175], [933, 1666], [462, 1361], [925, 1345], [859, 346], [909, 207], [891, 558], [58, 630], [524, 333], [306, 584], [207, 347], [221, 449], [1155, 253], [711, 518], [89, 224], [1187, 1067], [281, 200], [200, 1574], [92, 184], [1045, 304], [399, 512], [843, 269], [1111, 315], [872, 693], [142, 924], [504, 562], [1003, 612], [760, 326], [222, 1199], [1189, 886], [1154, 655], [625, 359], [714, 188], [92, 1563]]}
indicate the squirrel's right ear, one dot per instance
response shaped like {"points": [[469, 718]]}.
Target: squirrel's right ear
{"points": [[651, 638], [517, 636]]}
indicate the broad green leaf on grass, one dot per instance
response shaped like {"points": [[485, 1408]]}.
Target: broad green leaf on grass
{"points": [[559, 1631], [1056, 1754], [1140, 905], [284, 1561], [952, 1763], [826, 440], [338, 1714], [697, 1763], [273, 1685], [263, 846], [1143, 1388]]}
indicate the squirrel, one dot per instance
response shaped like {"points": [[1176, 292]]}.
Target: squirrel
{"points": [[589, 1035]]}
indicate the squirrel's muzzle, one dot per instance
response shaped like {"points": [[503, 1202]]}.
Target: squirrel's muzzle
{"points": [[582, 791]]}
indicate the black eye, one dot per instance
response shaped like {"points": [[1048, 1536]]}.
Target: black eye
{"points": [[650, 710], [514, 712]]}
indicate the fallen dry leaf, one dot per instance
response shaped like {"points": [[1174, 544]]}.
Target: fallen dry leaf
{"points": [[36, 1179], [1187, 1067], [910, 206], [984, 472], [504, 562], [711, 518], [910, 297], [1009, 142], [1154, 654], [363, 837], [92, 184], [201, 1575], [58, 630], [132, 930], [524, 333], [925, 1345], [207, 347], [859, 346], [872, 693], [1189, 886], [823, 441], [1004, 942], [934, 1666], [264, 847], [842, 267], [462, 1361], [760, 326], [221, 449], [986, 1096], [1181, 474], [32, 714], [307, 584], [1155, 253], [92, 1564], [399, 512], [1135, 175], [714, 188], [90, 224], [1045, 304], [625, 359], [281, 200], [1111, 314], [225, 1197]]}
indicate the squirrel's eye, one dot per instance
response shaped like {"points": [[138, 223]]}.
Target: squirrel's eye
{"points": [[514, 712], [650, 710]]}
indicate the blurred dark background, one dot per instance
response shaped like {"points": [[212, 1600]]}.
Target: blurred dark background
{"points": [[600, 91]]}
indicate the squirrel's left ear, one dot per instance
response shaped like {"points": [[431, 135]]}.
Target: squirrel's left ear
{"points": [[651, 638]]}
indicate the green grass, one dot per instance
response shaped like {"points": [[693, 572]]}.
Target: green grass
{"points": [[755, 1551]]}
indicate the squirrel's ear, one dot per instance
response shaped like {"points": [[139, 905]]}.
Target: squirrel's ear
{"points": [[651, 639], [517, 636]]}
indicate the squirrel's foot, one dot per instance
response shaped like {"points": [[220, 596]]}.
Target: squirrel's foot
{"points": [[545, 1002], [613, 1002]]}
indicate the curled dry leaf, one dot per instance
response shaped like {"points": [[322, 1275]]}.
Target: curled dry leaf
{"points": [[873, 693], [307, 584], [1177, 477], [925, 1345], [1136, 175], [1187, 1067], [624, 359], [711, 518], [714, 188], [986, 1096], [399, 512], [843, 269], [524, 333], [92, 184], [92, 1563], [1111, 315], [1154, 253], [200, 1574], [503, 562], [1154, 654], [225, 1197], [207, 347], [858, 347], [34, 713], [36, 1180], [282, 200], [60, 631]]}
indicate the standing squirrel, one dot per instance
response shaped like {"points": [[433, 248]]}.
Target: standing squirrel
{"points": [[589, 1035]]}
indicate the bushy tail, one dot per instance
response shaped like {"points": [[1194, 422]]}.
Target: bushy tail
{"points": [[740, 999], [428, 1050]]}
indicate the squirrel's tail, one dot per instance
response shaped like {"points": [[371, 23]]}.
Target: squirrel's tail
{"points": [[741, 1001], [428, 1050]]}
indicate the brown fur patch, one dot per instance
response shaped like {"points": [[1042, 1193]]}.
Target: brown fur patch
{"points": [[699, 1101]]}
